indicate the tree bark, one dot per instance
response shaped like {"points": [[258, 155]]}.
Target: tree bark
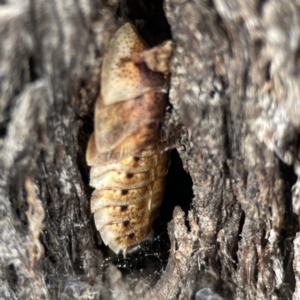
{"points": [[234, 119]]}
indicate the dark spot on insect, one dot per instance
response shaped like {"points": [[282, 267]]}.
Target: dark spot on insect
{"points": [[152, 125], [124, 207], [212, 94], [131, 235], [138, 97], [129, 175], [125, 192], [126, 223], [136, 159]]}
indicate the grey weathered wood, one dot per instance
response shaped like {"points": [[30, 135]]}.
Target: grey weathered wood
{"points": [[235, 96]]}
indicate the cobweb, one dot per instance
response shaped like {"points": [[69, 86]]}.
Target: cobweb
{"points": [[143, 267]]}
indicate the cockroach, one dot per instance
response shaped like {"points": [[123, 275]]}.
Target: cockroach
{"points": [[126, 152]]}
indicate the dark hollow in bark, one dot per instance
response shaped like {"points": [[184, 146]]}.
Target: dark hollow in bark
{"points": [[234, 119]]}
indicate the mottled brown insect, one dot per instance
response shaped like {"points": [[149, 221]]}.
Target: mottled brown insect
{"points": [[126, 153]]}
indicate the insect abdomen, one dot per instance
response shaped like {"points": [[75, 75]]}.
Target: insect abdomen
{"points": [[125, 201]]}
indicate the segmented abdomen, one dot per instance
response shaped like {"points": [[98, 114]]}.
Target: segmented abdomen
{"points": [[127, 196]]}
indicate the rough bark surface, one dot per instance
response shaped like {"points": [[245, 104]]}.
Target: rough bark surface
{"points": [[234, 119]]}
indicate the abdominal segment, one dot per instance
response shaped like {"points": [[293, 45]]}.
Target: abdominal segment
{"points": [[127, 196]]}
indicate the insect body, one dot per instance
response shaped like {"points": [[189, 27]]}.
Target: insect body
{"points": [[126, 152]]}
